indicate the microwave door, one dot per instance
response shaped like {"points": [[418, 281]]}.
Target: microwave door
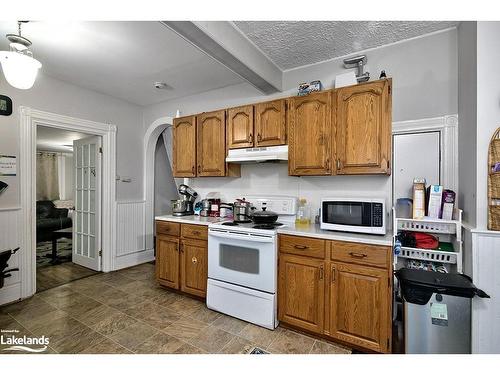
{"points": [[344, 213]]}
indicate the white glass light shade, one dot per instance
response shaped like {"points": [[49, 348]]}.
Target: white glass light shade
{"points": [[19, 70]]}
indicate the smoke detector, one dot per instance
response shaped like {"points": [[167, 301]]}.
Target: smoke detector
{"points": [[162, 86]]}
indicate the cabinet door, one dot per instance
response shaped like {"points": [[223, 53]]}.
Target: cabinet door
{"points": [[364, 128], [239, 128], [167, 261], [301, 297], [310, 129], [184, 147], [211, 155], [359, 306], [270, 123], [194, 267]]}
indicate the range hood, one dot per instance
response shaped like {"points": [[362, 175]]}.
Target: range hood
{"points": [[258, 154]]}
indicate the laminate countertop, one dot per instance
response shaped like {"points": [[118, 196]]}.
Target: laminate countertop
{"points": [[312, 230], [190, 219]]}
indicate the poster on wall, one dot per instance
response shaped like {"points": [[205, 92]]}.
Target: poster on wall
{"points": [[8, 164]]}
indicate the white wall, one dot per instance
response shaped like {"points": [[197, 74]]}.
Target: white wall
{"points": [[165, 187], [488, 107], [424, 72], [52, 95], [467, 112]]}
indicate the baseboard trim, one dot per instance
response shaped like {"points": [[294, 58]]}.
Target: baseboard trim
{"points": [[134, 259], [10, 293]]}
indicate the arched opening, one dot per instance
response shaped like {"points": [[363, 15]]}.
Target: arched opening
{"points": [[153, 148]]}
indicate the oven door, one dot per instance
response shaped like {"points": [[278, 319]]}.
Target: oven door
{"points": [[243, 259]]}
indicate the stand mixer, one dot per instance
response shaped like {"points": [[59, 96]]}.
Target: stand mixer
{"points": [[185, 205]]}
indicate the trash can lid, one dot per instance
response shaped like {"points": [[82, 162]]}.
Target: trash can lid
{"points": [[419, 285]]}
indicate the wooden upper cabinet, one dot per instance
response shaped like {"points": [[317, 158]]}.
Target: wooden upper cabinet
{"points": [[184, 147], [194, 267], [239, 127], [167, 261], [270, 123], [359, 306], [309, 134], [363, 141], [211, 153], [301, 292]]}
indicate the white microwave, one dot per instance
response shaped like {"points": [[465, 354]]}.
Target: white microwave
{"points": [[358, 215]]}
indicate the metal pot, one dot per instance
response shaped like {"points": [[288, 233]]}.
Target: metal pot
{"points": [[264, 216], [242, 210], [178, 205]]}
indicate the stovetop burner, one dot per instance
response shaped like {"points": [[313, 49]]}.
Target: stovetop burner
{"points": [[267, 226], [230, 223], [242, 221], [249, 224]]}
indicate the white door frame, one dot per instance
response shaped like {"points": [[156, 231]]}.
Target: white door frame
{"points": [[150, 139], [29, 120], [448, 127]]}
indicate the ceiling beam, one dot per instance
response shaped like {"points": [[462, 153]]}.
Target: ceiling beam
{"points": [[222, 41]]}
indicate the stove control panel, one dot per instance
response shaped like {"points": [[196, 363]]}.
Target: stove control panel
{"points": [[282, 205]]}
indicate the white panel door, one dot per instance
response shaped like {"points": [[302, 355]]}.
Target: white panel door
{"points": [[415, 155], [87, 217]]}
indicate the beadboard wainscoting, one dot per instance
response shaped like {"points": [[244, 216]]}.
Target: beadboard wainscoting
{"points": [[10, 238], [130, 238], [486, 311]]}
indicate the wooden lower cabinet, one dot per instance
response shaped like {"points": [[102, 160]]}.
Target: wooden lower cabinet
{"points": [[301, 292], [343, 300], [359, 306], [194, 267], [167, 261], [182, 261]]}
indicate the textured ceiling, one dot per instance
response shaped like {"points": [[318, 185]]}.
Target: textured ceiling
{"points": [[291, 44]]}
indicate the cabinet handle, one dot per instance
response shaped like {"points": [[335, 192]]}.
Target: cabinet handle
{"points": [[321, 273], [194, 260], [338, 163], [181, 247], [259, 137], [250, 138], [193, 170], [301, 247], [357, 255], [199, 168], [333, 274], [328, 163], [196, 233]]}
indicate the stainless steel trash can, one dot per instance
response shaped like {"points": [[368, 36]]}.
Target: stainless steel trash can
{"points": [[437, 311]]}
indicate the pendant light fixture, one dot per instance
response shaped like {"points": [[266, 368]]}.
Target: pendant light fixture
{"points": [[19, 67]]}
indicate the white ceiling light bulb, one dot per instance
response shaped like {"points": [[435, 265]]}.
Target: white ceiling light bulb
{"points": [[19, 67]]}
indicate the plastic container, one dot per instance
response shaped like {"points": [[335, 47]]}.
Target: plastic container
{"points": [[303, 217]]}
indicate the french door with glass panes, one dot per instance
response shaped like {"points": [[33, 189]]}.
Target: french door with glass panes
{"points": [[87, 217]]}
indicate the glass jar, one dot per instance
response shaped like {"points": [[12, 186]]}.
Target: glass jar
{"points": [[303, 214]]}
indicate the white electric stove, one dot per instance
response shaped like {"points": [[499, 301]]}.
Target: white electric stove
{"points": [[243, 262]]}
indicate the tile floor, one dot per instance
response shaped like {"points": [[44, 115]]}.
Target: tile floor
{"points": [[51, 276], [126, 312]]}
